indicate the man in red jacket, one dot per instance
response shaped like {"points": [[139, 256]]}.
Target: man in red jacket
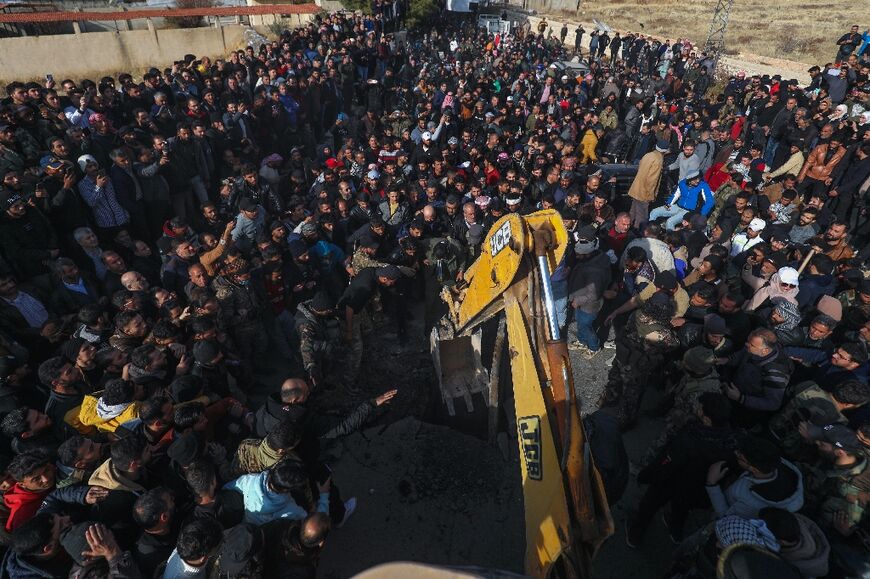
{"points": [[34, 478]]}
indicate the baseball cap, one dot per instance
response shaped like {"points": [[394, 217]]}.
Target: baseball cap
{"points": [[757, 224], [427, 136], [841, 437], [9, 198], [84, 160], [698, 360], [693, 174], [788, 275]]}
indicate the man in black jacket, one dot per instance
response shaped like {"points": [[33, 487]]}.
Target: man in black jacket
{"points": [[26, 237], [129, 192], [842, 195], [289, 404]]}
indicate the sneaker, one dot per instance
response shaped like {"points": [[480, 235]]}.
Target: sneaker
{"points": [[577, 346], [589, 354], [633, 534], [676, 537], [609, 344], [349, 509]]}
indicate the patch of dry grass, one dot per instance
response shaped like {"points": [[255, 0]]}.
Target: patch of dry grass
{"points": [[805, 32]]}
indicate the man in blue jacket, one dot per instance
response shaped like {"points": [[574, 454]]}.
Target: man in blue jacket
{"points": [[692, 194]]}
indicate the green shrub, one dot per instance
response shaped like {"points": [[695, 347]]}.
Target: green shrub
{"points": [[189, 21]]}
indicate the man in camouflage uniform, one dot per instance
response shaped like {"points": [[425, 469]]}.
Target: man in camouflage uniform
{"points": [[240, 309], [256, 454], [364, 256], [725, 191], [841, 483], [858, 298], [320, 339], [814, 406], [443, 266], [639, 353], [698, 376]]}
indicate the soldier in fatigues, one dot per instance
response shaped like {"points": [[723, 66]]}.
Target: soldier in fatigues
{"points": [[356, 297], [258, 454], [841, 483], [364, 256], [443, 267], [648, 335], [240, 309], [816, 407], [698, 376], [320, 339]]}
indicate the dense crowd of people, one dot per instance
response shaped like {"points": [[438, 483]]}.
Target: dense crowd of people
{"points": [[166, 242]]}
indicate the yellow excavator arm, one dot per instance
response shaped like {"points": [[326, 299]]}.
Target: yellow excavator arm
{"points": [[566, 512]]}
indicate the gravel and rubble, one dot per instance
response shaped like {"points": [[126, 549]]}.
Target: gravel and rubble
{"points": [[429, 493]]}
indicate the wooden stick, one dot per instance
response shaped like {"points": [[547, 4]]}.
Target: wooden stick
{"points": [[806, 260]]}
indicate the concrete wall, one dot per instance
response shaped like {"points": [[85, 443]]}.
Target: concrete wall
{"points": [[94, 54]]}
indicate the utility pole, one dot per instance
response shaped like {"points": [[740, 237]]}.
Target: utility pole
{"points": [[715, 45]]}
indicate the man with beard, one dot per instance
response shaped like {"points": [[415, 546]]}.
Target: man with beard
{"points": [[836, 242], [840, 476]]}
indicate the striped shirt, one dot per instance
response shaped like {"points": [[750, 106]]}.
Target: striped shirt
{"points": [[103, 203], [30, 308]]}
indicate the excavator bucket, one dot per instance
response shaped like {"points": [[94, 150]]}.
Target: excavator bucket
{"points": [[455, 342], [462, 377]]}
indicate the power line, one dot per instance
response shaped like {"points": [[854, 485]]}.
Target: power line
{"points": [[715, 45]]}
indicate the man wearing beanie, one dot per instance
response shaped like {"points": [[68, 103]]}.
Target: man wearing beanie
{"points": [[645, 187], [351, 305], [698, 377], [320, 337]]}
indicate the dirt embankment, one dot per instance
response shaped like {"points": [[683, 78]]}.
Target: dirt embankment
{"points": [[750, 63]]}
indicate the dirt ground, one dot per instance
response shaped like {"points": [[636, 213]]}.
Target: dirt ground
{"points": [[429, 493], [426, 492]]}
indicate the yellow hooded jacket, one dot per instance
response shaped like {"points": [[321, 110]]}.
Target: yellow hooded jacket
{"points": [[90, 414]]}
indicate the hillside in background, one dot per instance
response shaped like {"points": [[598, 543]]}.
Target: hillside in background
{"points": [[793, 30]]}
